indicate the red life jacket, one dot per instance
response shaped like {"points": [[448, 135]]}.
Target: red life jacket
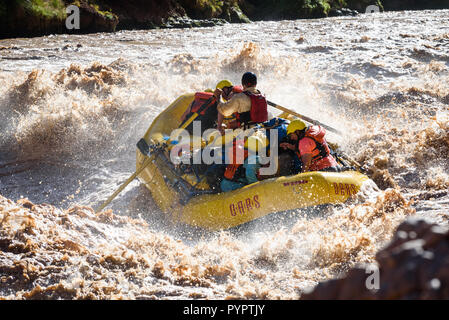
{"points": [[259, 107], [200, 99], [233, 170], [258, 112]]}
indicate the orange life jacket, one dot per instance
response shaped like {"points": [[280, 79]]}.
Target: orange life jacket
{"points": [[317, 133], [200, 99], [237, 89], [233, 170]]}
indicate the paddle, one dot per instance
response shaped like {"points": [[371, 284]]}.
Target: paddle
{"points": [[303, 117], [128, 181], [352, 161], [145, 150]]}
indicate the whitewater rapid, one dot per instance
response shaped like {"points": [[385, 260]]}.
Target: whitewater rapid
{"points": [[73, 108]]}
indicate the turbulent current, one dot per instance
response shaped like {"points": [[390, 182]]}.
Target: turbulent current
{"points": [[72, 108]]}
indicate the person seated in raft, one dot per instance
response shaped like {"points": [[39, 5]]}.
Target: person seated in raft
{"points": [[310, 146], [209, 114], [249, 107], [288, 162], [239, 174], [230, 121]]}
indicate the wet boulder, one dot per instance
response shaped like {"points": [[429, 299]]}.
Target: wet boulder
{"points": [[414, 265], [342, 12]]}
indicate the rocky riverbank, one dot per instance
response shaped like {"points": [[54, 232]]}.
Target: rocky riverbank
{"points": [[20, 18]]}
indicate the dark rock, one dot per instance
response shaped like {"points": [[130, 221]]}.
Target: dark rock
{"points": [[237, 16], [335, 13], [349, 12], [415, 4], [342, 12], [15, 21], [414, 265], [92, 20], [145, 14], [20, 21]]}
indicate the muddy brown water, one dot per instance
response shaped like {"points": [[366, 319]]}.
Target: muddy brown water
{"points": [[73, 108]]}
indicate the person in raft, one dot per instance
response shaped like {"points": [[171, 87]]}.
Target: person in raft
{"points": [[310, 146], [238, 174], [249, 107], [206, 103]]}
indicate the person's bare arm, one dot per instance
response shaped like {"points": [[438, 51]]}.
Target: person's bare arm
{"points": [[220, 119], [286, 145], [229, 107]]}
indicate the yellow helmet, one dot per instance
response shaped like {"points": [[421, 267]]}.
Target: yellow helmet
{"points": [[257, 142], [224, 83], [296, 125]]}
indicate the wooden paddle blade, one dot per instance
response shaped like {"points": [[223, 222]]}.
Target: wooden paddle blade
{"points": [[143, 147], [148, 160]]}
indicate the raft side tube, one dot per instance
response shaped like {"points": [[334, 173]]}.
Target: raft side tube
{"points": [[230, 209]]}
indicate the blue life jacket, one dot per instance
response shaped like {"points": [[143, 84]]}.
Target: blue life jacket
{"points": [[281, 125], [278, 124]]}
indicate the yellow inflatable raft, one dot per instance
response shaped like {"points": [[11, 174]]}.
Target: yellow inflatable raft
{"points": [[185, 200]]}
